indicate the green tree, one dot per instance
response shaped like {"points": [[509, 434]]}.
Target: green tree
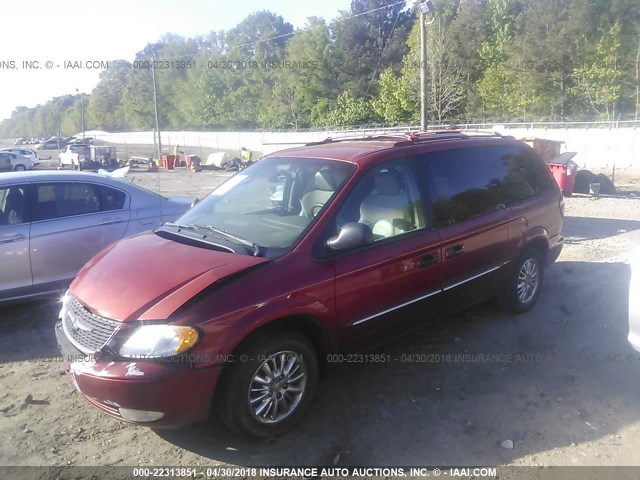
{"points": [[599, 80], [368, 39], [349, 111], [106, 110]]}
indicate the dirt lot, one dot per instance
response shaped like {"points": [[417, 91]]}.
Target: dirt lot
{"points": [[564, 390]]}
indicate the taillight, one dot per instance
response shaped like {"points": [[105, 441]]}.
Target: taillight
{"points": [[561, 204]]}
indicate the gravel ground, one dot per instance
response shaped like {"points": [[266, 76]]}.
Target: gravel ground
{"points": [[564, 391]]}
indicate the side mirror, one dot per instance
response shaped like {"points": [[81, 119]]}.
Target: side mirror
{"points": [[351, 235]]}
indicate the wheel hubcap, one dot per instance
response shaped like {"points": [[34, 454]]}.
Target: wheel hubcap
{"points": [[527, 281], [277, 387]]}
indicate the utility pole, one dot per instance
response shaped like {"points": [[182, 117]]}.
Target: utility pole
{"points": [[82, 106], [425, 7], [423, 71], [81, 112], [155, 103]]}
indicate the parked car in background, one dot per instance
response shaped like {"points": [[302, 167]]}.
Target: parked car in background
{"points": [[13, 161], [52, 223], [331, 247], [25, 152], [50, 145], [74, 155]]}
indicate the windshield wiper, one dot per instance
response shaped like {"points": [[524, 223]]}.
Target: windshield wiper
{"points": [[236, 238], [180, 226]]}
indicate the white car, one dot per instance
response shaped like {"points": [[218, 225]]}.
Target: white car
{"points": [[25, 152], [52, 223], [74, 155], [634, 302], [12, 161]]}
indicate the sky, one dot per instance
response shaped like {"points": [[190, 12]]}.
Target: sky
{"points": [[88, 30]]}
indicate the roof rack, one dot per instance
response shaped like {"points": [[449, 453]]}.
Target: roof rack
{"points": [[368, 138], [411, 138]]}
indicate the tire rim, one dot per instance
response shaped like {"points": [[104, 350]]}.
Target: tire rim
{"points": [[527, 281], [277, 387]]}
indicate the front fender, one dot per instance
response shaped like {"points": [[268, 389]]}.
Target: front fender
{"points": [[234, 328]]}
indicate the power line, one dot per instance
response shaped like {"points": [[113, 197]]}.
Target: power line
{"points": [[304, 30], [382, 53]]}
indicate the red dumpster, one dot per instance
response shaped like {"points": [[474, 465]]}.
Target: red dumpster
{"points": [[564, 172], [168, 161]]}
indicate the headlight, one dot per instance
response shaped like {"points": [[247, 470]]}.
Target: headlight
{"points": [[153, 341], [63, 301]]}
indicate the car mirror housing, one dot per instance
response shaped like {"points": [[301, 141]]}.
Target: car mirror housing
{"points": [[351, 235]]}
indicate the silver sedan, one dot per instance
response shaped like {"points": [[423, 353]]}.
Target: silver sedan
{"points": [[52, 223]]}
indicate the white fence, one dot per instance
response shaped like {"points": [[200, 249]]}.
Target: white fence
{"points": [[597, 146]]}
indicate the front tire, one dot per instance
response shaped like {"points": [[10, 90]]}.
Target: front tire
{"points": [[20, 168], [524, 283], [269, 388]]}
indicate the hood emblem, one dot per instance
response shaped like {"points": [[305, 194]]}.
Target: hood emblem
{"points": [[76, 324]]}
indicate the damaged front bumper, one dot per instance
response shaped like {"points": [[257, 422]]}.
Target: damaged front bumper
{"points": [[156, 394]]}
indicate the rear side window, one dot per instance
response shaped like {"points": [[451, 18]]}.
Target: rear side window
{"points": [[522, 173], [469, 182], [462, 184], [112, 199]]}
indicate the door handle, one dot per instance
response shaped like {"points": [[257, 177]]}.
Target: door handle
{"points": [[12, 238], [454, 251], [109, 221], [428, 260]]}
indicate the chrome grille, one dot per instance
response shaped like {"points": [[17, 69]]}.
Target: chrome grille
{"points": [[87, 331]]}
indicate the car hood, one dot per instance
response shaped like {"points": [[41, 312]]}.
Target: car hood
{"points": [[147, 277], [182, 199]]}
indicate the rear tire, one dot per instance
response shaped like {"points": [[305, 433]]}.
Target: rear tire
{"points": [[254, 403], [524, 283]]}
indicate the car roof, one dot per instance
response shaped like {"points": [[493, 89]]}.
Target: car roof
{"points": [[358, 150], [53, 175]]}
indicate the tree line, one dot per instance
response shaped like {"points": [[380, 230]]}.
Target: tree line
{"points": [[488, 61]]}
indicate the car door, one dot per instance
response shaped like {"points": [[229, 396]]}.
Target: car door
{"points": [[72, 222], [15, 269], [471, 219], [386, 287]]}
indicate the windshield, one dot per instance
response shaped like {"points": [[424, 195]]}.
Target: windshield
{"points": [[271, 203]]}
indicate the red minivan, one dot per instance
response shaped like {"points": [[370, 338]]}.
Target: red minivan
{"points": [[334, 246]]}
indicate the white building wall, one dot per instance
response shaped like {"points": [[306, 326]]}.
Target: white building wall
{"points": [[596, 147]]}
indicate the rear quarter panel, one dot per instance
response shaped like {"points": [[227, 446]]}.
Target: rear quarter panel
{"points": [[537, 217]]}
